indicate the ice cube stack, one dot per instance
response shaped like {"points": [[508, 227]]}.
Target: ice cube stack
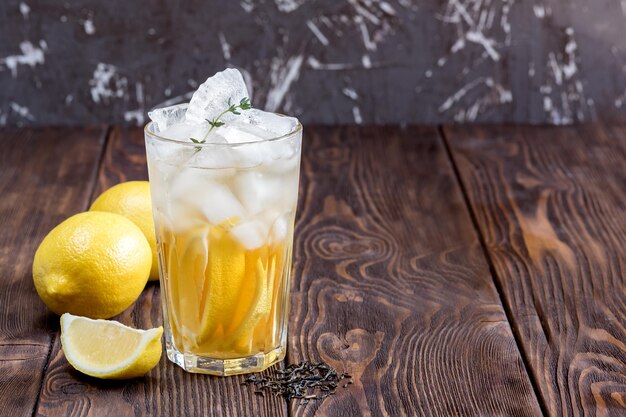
{"points": [[238, 174], [190, 120]]}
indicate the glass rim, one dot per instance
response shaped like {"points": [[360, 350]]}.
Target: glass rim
{"points": [[148, 132]]}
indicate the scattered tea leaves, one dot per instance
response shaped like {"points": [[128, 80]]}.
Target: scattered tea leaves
{"points": [[306, 381]]}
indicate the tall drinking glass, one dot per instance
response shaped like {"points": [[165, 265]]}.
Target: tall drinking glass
{"points": [[224, 216]]}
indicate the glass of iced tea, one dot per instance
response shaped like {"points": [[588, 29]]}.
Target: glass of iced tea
{"points": [[224, 213]]}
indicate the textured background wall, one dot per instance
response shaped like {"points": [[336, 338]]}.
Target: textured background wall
{"points": [[327, 61]]}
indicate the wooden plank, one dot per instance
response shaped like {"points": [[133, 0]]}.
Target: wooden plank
{"points": [[167, 390], [391, 284], [46, 175], [550, 204]]}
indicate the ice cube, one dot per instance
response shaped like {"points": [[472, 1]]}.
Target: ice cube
{"points": [[251, 234], [236, 132], [274, 124], [258, 192], [171, 154], [218, 161], [210, 199], [184, 217], [185, 131], [251, 145], [289, 187], [284, 165], [280, 228], [248, 154], [165, 155], [215, 95], [169, 205], [167, 116], [277, 224], [219, 203], [256, 125]]}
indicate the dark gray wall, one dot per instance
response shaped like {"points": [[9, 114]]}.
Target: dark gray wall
{"points": [[326, 61]]}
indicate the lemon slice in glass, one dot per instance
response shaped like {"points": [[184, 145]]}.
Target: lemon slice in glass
{"points": [[108, 349]]}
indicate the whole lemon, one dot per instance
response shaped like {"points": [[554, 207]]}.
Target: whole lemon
{"points": [[93, 264], [132, 200]]}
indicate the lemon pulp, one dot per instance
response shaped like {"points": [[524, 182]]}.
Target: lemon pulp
{"points": [[224, 301], [107, 349]]}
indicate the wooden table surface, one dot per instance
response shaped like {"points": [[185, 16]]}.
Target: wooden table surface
{"points": [[463, 271]]}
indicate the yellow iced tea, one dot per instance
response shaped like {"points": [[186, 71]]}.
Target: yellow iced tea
{"points": [[224, 301], [224, 219]]}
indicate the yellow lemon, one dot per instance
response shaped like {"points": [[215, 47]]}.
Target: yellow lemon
{"points": [[108, 349], [132, 200], [93, 264]]}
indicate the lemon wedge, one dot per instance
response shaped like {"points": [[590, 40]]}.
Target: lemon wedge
{"points": [[108, 349]]}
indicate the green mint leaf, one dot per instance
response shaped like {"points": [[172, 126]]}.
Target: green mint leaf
{"points": [[197, 148], [244, 104]]}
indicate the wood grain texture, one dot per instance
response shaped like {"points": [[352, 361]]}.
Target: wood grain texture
{"points": [[167, 390], [46, 175], [391, 284], [550, 204]]}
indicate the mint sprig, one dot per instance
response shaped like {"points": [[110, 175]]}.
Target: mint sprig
{"points": [[244, 104], [197, 148]]}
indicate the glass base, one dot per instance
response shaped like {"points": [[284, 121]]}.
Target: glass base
{"points": [[224, 367]]}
